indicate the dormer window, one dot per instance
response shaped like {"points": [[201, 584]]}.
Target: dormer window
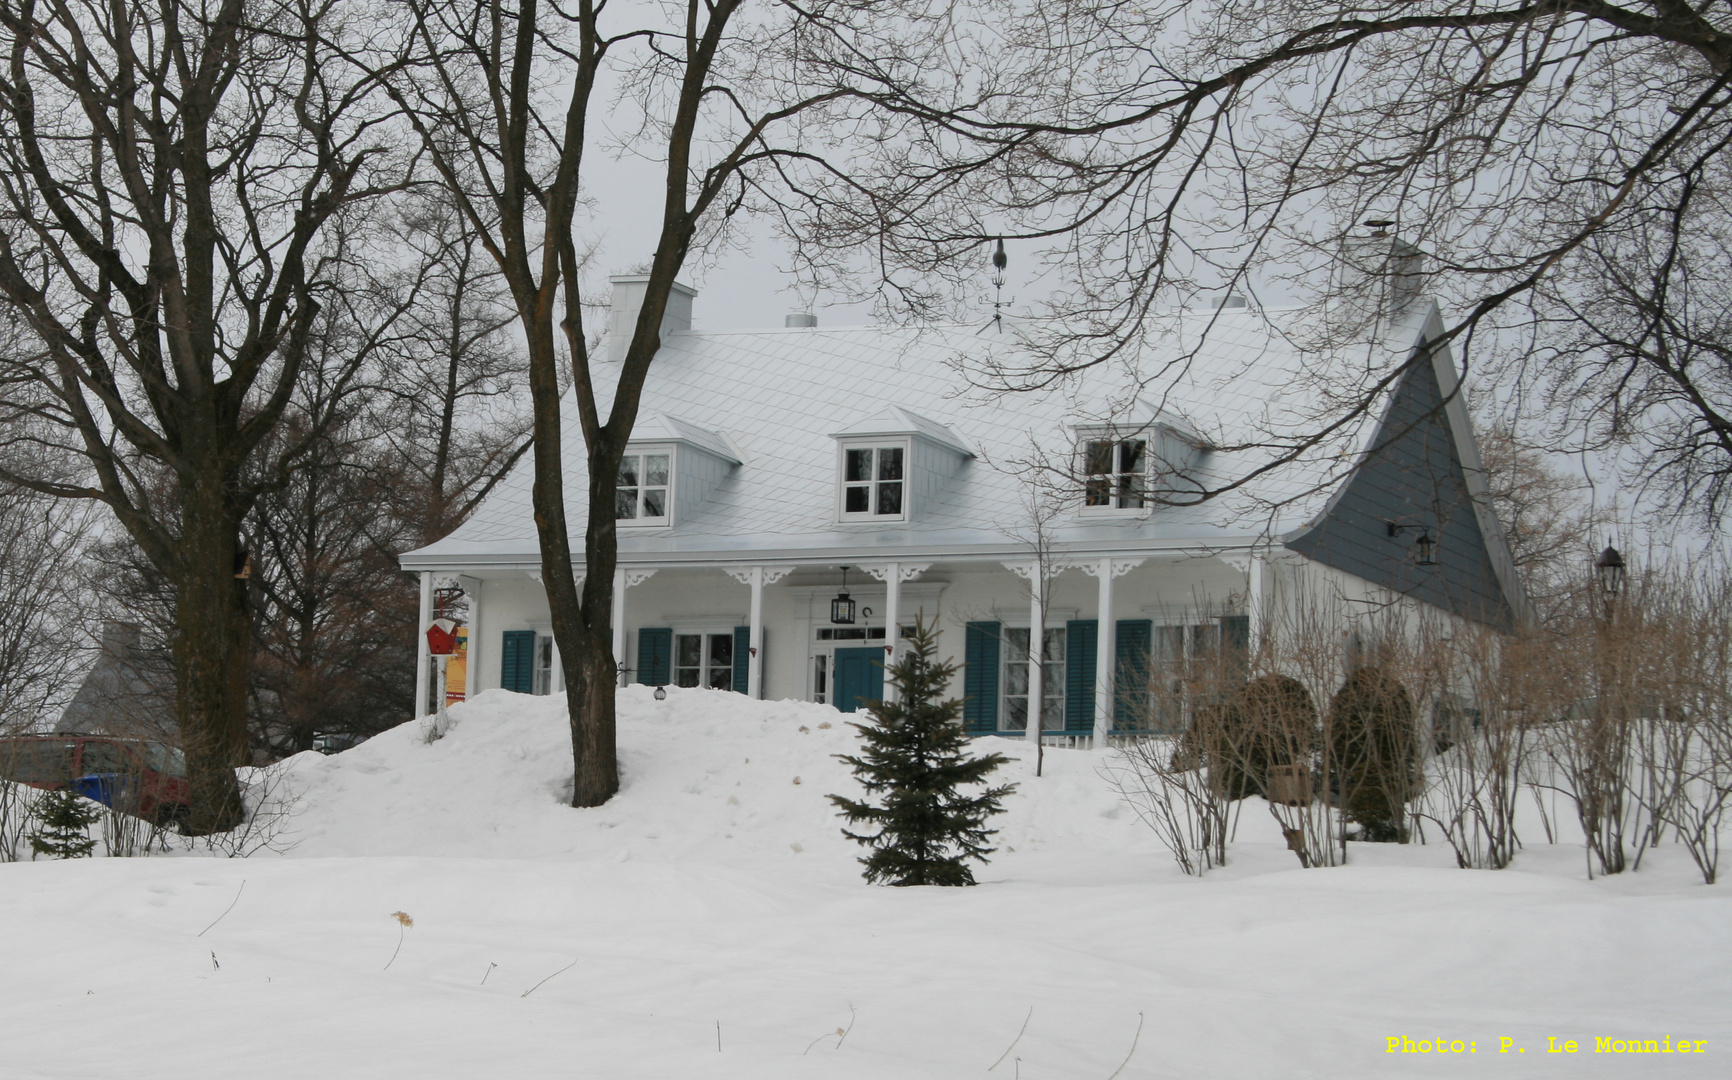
{"points": [[645, 479], [873, 481], [1116, 474]]}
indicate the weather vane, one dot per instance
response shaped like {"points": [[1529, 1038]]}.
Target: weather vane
{"points": [[999, 261]]}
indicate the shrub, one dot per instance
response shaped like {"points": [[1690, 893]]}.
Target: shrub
{"points": [[1376, 753]]}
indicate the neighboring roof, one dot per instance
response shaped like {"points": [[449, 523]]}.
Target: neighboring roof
{"points": [[1243, 386], [130, 690]]}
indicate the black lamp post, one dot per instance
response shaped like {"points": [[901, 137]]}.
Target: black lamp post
{"points": [[1609, 567], [842, 608]]}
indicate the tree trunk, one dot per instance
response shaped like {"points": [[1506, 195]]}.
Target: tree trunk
{"points": [[213, 635]]}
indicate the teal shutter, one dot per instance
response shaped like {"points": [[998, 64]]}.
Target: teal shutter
{"points": [[742, 657], [655, 655], [980, 678], [1236, 643], [517, 661], [1131, 672], [1079, 675]]}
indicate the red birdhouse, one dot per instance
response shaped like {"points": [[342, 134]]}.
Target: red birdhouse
{"points": [[442, 637]]}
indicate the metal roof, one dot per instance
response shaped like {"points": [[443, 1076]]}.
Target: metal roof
{"points": [[776, 400]]}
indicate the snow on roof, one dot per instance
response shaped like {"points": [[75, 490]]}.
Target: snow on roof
{"points": [[775, 400]]}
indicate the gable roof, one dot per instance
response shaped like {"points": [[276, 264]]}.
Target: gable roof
{"points": [[660, 427], [897, 420], [1237, 380]]}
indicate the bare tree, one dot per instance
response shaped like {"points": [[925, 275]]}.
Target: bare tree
{"points": [[167, 173], [42, 639], [1534, 160], [507, 98], [453, 378]]}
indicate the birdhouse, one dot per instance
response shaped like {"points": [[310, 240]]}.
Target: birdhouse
{"points": [[442, 637]]}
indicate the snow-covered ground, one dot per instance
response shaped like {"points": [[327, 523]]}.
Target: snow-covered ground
{"points": [[711, 922]]}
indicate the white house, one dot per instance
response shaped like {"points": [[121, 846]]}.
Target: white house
{"points": [[769, 466]]}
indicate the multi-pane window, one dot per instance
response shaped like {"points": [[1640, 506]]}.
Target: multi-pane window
{"points": [[1181, 664], [821, 678], [872, 481], [1116, 472], [704, 660], [1015, 681], [543, 667], [642, 492]]}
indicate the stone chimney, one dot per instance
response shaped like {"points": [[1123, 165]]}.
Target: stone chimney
{"points": [[628, 296]]}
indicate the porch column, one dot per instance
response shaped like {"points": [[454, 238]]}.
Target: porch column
{"points": [[893, 575], [1106, 642], [1036, 649], [1256, 601], [756, 577], [892, 605], [755, 638], [1106, 650], [619, 625], [423, 661], [1252, 565], [472, 672]]}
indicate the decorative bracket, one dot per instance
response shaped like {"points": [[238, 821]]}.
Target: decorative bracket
{"points": [[772, 574], [637, 576], [1121, 567], [906, 572], [1238, 560]]}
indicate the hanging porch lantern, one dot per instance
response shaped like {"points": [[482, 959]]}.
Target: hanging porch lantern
{"points": [[842, 608]]}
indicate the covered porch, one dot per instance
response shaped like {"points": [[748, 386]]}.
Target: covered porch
{"points": [[774, 628]]}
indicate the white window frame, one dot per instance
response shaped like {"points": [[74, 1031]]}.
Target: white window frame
{"points": [[842, 483], [1113, 507], [641, 451], [1051, 687], [544, 668], [705, 631]]}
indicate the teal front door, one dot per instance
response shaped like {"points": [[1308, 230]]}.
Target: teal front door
{"points": [[859, 677]]}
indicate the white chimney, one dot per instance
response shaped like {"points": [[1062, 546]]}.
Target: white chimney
{"points": [[1376, 282], [628, 296]]}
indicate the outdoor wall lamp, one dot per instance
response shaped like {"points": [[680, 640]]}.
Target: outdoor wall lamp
{"points": [[1424, 547]]}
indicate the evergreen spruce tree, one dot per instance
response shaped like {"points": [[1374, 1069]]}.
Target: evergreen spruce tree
{"points": [[63, 825], [923, 829]]}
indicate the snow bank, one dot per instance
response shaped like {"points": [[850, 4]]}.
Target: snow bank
{"points": [[705, 775], [710, 922]]}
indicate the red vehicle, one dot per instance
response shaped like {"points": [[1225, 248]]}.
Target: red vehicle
{"points": [[138, 776]]}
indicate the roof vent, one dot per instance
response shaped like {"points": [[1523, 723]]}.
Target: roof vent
{"points": [[1230, 301], [801, 319]]}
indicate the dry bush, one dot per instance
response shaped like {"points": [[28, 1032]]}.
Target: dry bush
{"points": [[1628, 703], [1482, 738], [17, 818]]}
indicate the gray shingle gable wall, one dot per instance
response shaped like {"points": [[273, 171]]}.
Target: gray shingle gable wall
{"points": [[1412, 475]]}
